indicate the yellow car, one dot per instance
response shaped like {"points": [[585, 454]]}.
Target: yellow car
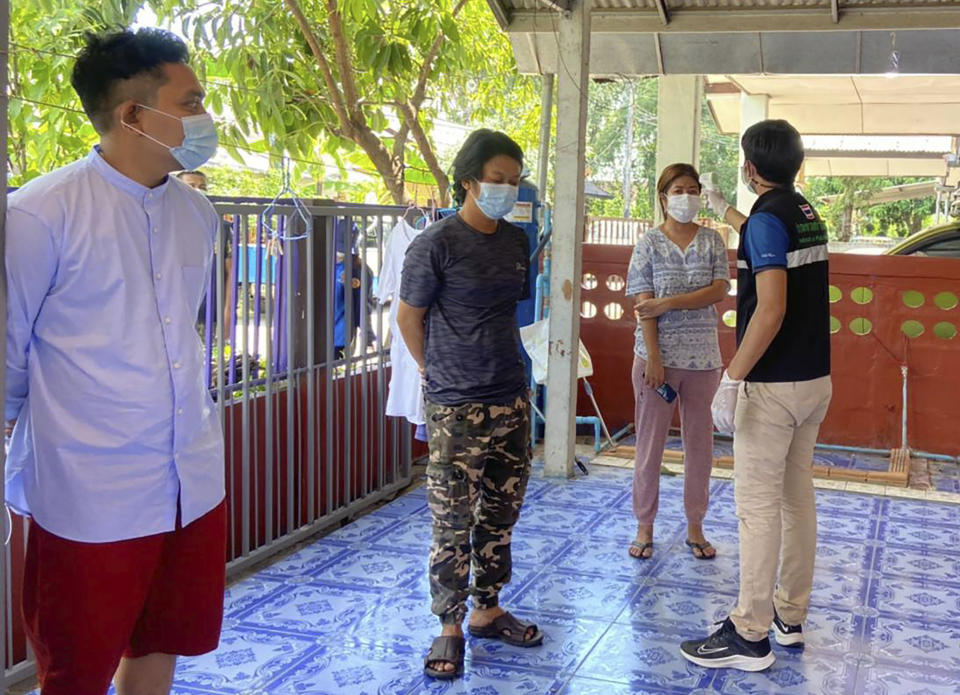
{"points": [[942, 241]]}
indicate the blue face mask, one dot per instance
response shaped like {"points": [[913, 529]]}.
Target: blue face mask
{"points": [[496, 200], [199, 139]]}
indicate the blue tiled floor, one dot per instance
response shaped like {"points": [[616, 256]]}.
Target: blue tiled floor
{"points": [[350, 614]]}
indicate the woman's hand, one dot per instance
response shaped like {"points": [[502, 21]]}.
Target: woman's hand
{"points": [[653, 373], [651, 308]]}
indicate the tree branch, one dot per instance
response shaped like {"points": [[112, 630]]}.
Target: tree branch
{"points": [[426, 69], [317, 51], [426, 149], [344, 61]]}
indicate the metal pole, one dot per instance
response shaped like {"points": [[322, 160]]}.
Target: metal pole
{"points": [[242, 252], [628, 152], [546, 117], [311, 378]]}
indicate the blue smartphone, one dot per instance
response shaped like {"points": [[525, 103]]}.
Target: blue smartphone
{"points": [[667, 393]]}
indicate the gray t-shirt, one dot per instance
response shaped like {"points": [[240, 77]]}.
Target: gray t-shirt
{"points": [[470, 283]]}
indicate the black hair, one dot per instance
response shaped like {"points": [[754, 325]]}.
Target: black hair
{"points": [[776, 150], [195, 172], [109, 60], [479, 148]]}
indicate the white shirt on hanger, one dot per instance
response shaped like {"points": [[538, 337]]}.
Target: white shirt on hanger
{"points": [[405, 395]]}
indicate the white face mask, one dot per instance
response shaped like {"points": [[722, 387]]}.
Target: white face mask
{"points": [[683, 207]]}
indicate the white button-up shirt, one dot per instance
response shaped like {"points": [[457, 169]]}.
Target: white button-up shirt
{"points": [[104, 363]]}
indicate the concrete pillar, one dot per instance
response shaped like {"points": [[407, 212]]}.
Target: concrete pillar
{"points": [[573, 83], [753, 109], [678, 124]]}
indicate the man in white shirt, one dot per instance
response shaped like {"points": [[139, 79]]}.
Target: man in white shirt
{"points": [[117, 451]]}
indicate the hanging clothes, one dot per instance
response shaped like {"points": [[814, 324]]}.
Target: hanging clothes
{"points": [[405, 395]]}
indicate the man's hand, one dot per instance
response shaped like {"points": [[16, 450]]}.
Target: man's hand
{"points": [[651, 308], [724, 407]]}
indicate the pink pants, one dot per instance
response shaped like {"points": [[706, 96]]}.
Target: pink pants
{"points": [[695, 390]]}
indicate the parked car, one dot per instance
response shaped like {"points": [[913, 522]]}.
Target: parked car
{"points": [[942, 241]]}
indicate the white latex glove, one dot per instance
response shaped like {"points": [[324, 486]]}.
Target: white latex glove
{"points": [[717, 203], [724, 406]]}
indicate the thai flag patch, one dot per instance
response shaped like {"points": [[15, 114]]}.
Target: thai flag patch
{"points": [[808, 212]]}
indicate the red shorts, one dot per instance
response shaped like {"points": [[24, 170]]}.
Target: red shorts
{"points": [[86, 605]]}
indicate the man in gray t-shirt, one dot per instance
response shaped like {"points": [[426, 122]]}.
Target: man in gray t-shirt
{"points": [[470, 283], [462, 279]]}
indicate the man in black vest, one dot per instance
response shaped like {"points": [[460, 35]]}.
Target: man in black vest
{"points": [[773, 396]]}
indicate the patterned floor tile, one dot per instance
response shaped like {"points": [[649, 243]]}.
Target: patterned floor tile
{"points": [[583, 493], [246, 661], [307, 560], [413, 534], [644, 657], [574, 595], [376, 566], [926, 536], [918, 565], [607, 556], [566, 643], [352, 669], [312, 609], [902, 680], [364, 528], [676, 607], [795, 672], [350, 614], [244, 594], [492, 679], [846, 527], [578, 685], [559, 520], [537, 547], [623, 527], [923, 644], [919, 600], [922, 512], [405, 505], [843, 557], [845, 504], [722, 573]]}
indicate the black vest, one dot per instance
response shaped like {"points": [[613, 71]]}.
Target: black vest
{"points": [[801, 350]]}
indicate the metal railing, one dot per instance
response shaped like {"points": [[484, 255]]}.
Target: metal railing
{"points": [[307, 441], [614, 230]]}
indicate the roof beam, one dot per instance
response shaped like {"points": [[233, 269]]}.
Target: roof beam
{"points": [[751, 21], [558, 5], [500, 13], [662, 11]]}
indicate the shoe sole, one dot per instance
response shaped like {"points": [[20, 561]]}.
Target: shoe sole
{"points": [[787, 639], [741, 663]]}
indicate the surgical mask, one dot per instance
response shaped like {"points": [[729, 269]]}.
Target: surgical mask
{"points": [[746, 180], [199, 139], [683, 207], [496, 200]]}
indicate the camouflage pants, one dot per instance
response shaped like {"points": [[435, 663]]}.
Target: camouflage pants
{"points": [[476, 478]]}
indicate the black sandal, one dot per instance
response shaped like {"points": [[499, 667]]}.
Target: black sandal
{"points": [[702, 547], [448, 649], [642, 548], [510, 630]]}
